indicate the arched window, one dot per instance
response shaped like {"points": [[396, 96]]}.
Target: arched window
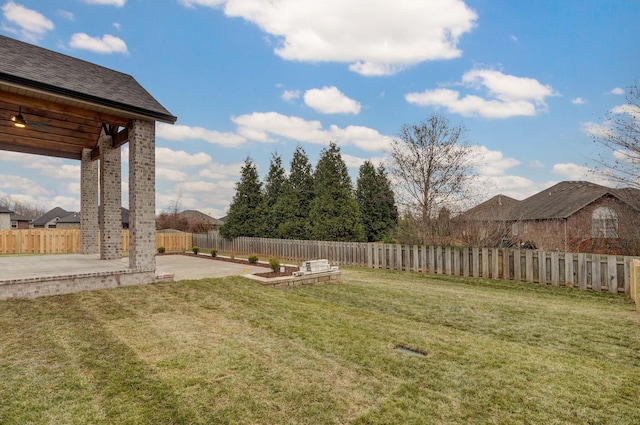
{"points": [[604, 223]]}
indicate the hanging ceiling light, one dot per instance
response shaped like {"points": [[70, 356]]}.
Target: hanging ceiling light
{"points": [[18, 120]]}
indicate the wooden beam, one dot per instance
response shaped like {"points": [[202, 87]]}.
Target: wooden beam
{"points": [[120, 138], [39, 151]]}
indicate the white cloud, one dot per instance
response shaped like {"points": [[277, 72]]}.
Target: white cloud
{"points": [[65, 202], [221, 171], [59, 171], [355, 161], [536, 164], [617, 91], [516, 187], [65, 14], [74, 188], [106, 45], [375, 37], [208, 3], [578, 101], [491, 163], [593, 129], [573, 171], [183, 132], [168, 158], [265, 127], [22, 185], [289, 95], [507, 96], [330, 100], [51, 167], [198, 186], [117, 3], [32, 25], [632, 110], [167, 174]]}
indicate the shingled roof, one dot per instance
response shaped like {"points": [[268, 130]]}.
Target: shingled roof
{"points": [[566, 198], [34, 67], [50, 215], [497, 208]]}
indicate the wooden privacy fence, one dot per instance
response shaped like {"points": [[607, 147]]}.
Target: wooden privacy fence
{"points": [[585, 271], [635, 283], [67, 241]]}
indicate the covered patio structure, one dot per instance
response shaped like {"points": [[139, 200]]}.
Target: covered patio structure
{"points": [[59, 106]]}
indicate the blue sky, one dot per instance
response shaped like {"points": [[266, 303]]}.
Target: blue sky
{"points": [[529, 80]]}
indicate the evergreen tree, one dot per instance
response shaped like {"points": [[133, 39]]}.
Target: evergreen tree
{"points": [[334, 212], [273, 190], [244, 216], [376, 201], [293, 205]]}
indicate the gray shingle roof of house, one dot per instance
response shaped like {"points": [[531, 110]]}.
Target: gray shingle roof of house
{"points": [[38, 68], [5, 211], [49, 215], [73, 217], [18, 217], [199, 215], [497, 208], [566, 198]]}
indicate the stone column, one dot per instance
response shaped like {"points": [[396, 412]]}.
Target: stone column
{"points": [[88, 204], [110, 200], [142, 195]]}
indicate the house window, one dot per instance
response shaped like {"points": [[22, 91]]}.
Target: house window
{"points": [[525, 227], [604, 223], [514, 229]]}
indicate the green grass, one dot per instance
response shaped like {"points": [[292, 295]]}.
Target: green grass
{"points": [[227, 351]]}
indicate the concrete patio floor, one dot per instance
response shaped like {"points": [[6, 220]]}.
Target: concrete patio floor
{"points": [[180, 266]]}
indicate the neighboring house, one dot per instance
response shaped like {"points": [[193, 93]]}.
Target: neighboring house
{"points": [[577, 216], [19, 221], [49, 219], [71, 220], [5, 218], [199, 219], [486, 224]]}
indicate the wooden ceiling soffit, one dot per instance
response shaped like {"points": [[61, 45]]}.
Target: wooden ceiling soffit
{"points": [[63, 109]]}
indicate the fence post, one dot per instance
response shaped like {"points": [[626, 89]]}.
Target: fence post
{"points": [[555, 268], [569, 279], [612, 273], [542, 267], [465, 261], [596, 273], [528, 265], [476, 261]]}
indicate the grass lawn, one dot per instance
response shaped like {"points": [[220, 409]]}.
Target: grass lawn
{"points": [[227, 351]]}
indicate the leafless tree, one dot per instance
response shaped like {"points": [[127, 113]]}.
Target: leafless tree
{"points": [[430, 163], [23, 208], [619, 135]]}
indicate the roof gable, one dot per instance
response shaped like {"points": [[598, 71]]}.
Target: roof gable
{"points": [[497, 208], [50, 215], [40, 69]]}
